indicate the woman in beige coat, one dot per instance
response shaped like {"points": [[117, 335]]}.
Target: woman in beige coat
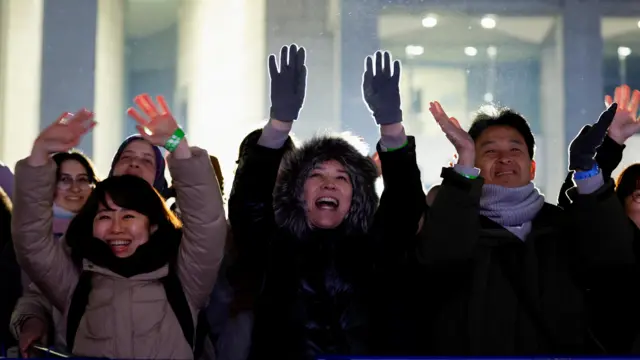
{"points": [[124, 244]]}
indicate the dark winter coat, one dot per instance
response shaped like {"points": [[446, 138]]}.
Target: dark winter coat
{"points": [[498, 295], [319, 286]]}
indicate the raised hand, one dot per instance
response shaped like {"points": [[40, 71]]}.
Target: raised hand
{"points": [[459, 138], [64, 134], [582, 150], [381, 89], [157, 125], [625, 123], [288, 83]]}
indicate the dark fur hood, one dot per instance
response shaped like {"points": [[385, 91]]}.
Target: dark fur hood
{"points": [[288, 194]]}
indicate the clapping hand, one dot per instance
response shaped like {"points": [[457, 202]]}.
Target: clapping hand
{"points": [[459, 138]]}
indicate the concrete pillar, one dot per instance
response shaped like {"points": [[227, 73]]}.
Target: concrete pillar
{"points": [[357, 38], [307, 23], [109, 83], [20, 61], [68, 60], [582, 61], [222, 83]]}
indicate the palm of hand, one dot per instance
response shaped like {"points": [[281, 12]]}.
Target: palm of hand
{"points": [[157, 125], [625, 123], [66, 132], [458, 137]]}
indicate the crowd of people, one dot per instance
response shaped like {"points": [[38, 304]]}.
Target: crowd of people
{"points": [[309, 260]]}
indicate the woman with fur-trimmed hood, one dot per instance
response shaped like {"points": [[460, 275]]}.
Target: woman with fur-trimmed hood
{"points": [[309, 219]]}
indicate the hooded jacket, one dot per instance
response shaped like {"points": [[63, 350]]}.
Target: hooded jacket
{"points": [[318, 284]]}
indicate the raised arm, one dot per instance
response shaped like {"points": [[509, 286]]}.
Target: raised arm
{"points": [[403, 200], [198, 195], [251, 202], [44, 260]]}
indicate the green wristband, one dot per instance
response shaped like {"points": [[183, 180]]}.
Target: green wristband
{"points": [[174, 140], [470, 177]]}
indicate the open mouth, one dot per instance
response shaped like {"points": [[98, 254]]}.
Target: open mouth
{"points": [[327, 203], [504, 173], [119, 246]]}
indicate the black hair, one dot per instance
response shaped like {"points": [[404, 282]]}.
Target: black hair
{"points": [[61, 157], [503, 117], [628, 181], [126, 191]]}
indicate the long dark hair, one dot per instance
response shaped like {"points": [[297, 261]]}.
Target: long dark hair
{"points": [[132, 193], [61, 157]]}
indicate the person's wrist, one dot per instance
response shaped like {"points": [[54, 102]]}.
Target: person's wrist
{"points": [[619, 139], [467, 158], [39, 156]]}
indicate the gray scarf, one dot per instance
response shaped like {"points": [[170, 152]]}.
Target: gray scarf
{"points": [[513, 208]]}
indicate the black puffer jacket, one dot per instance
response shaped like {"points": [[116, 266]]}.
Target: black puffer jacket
{"points": [[320, 286]]}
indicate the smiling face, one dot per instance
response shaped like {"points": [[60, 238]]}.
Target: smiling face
{"points": [[138, 159], [122, 229], [327, 195], [503, 158], [74, 186]]}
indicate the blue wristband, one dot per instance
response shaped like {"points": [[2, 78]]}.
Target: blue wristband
{"points": [[581, 175]]}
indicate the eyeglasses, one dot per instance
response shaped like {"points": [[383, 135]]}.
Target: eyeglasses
{"points": [[82, 183]]}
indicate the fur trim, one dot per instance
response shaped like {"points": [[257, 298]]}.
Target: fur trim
{"points": [[290, 210]]}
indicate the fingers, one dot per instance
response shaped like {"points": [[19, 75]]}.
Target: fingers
{"points": [[273, 66], [301, 59], [145, 103], [293, 56], [135, 115], [367, 76], [284, 57], [386, 69], [396, 70], [599, 129], [625, 95], [378, 57], [62, 119], [617, 94], [163, 105], [455, 122], [634, 103], [608, 101], [302, 80]]}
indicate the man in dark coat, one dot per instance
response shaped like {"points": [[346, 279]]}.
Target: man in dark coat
{"points": [[511, 271]]}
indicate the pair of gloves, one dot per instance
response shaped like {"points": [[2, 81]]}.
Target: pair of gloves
{"points": [[380, 90]]}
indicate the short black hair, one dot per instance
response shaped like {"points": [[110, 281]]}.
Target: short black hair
{"points": [[61, 157], [502, 116]]}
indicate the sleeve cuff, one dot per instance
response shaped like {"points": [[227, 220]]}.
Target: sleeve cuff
{"points": [[589, 185], [466, 171]]}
